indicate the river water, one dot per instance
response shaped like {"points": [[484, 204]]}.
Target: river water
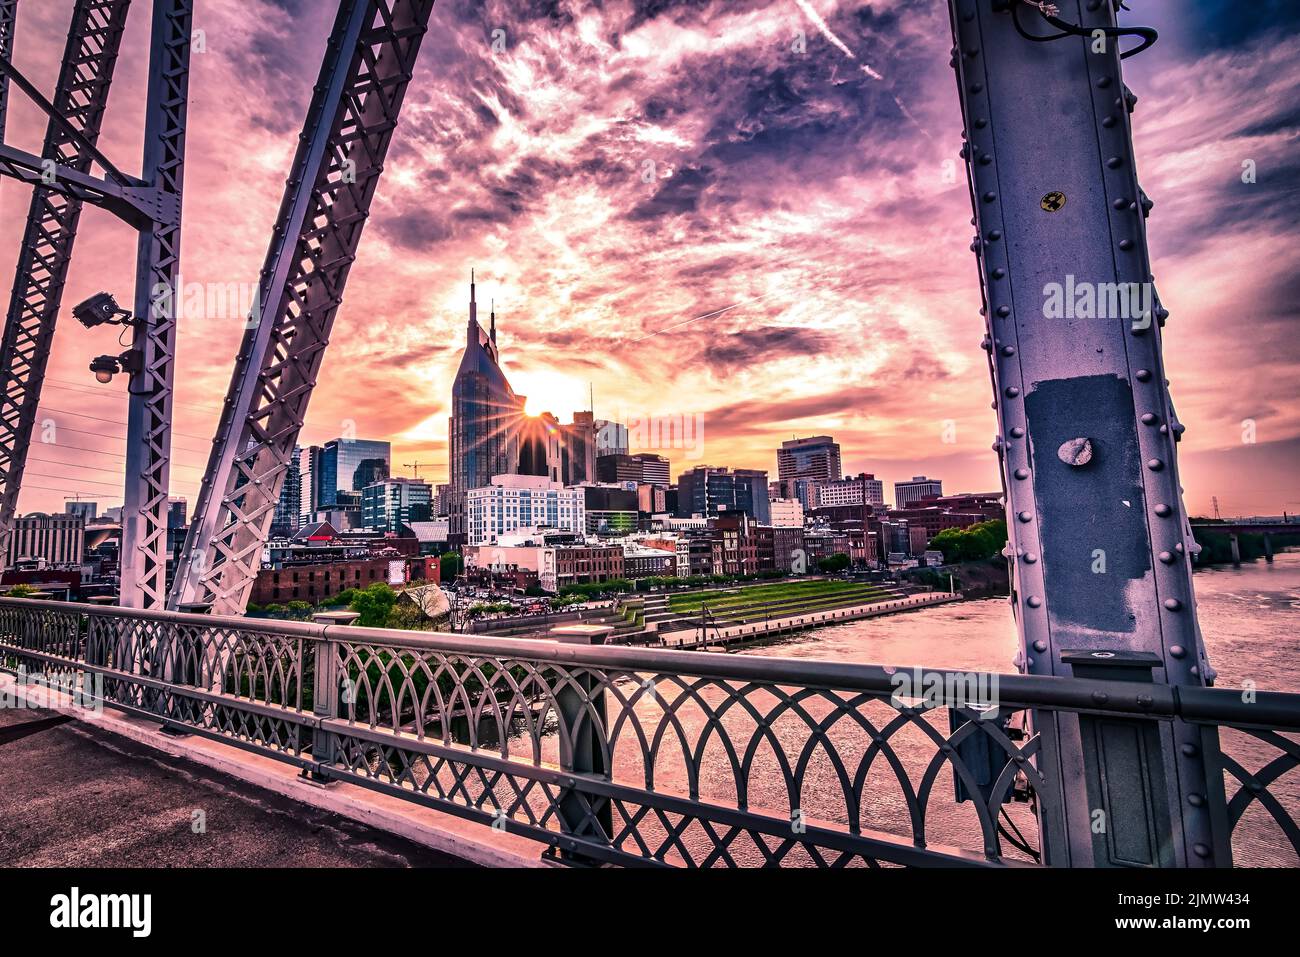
{"points": [[1249, 616], [730, 743]]}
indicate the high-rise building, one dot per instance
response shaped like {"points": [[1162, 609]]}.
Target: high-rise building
{"points": [[654, 469], [918, 488], [394, 502], [56, 539], [611, 438], [709, 491], [578, 463], [514, 502], [486, 415], [859, 489], [346, 466], [787, 513], [288, 511], [816, 458], [441, 499], [177, 512], [89, 511], [609, 509]]}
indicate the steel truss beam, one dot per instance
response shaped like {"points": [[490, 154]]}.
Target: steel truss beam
{"points": [[84, 79], [367, 66], [1100, 546], [8, 17], [149, 416]]}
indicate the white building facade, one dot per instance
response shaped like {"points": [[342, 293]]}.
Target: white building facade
{"points": [[513, 503]]}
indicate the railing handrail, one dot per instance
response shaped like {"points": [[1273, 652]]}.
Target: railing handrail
{"points": [[1277, 709]]}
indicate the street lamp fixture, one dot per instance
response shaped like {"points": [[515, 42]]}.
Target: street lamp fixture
{"points": [[105, 367]]}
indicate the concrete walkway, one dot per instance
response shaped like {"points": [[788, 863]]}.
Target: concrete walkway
{"points": [[75, 795], [691, 637]]}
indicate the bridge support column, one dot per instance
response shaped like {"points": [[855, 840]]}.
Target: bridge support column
{"points": [[1236, 550], [1098, 537], [584, 749], [1268, 548]]}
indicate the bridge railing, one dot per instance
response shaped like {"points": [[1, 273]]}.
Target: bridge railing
{"points": [[647, 756]]}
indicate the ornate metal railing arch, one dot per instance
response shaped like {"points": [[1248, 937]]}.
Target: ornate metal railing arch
{"points": [[649, 756]]}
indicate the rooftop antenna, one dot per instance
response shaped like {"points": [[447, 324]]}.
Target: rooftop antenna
{"points": [[493, 332]]}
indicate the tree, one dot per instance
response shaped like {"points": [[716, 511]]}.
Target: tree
{"points": [[971, 544], [21, 591], [374, 604], [834, 563], [450, 565]]}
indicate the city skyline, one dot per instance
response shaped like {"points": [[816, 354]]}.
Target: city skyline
{"points": [[793, 204]]}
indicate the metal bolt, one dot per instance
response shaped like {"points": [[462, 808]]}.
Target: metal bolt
{"points": [[1075, 452]]}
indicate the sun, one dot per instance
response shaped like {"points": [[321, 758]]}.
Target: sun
{"points": [[547, 391]]}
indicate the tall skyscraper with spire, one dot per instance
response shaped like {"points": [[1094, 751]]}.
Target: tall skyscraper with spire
{"points": [[486, 417]]}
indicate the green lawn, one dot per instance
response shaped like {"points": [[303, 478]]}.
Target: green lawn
{"points": [[759, 594]]}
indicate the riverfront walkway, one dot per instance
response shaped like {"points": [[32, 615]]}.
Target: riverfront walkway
{"points": [[732, 634], [76, 795]]}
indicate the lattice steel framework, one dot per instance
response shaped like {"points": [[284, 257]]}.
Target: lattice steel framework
{"points": [[149, 419], [367, 67], [81, 94], [8, 14]]}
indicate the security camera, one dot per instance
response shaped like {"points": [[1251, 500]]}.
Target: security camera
{"points": [[99, 309]]}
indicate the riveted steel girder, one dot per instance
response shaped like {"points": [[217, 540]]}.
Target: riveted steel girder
{"points": [[354, 109], [8, 17], [81, 94], [1099, 540], [149, 415]]}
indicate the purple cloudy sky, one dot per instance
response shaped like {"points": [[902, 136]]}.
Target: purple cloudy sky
{"points": [[806, 190]]}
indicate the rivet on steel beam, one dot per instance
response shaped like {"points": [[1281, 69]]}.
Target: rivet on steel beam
{"points": [[981, 123], [1022, 474], [1008, 351], [1143, 375], [1201, 850], [1120, 203], [985, 160], [986, 343], [1104, 82], [1163, 510], [1033, 601], [1114, 162], [1040, 645], [1075, 452], [1100, 697], [1004, 311], [1012, 392], [1149, 418], [1030, 558], [1189, 750], [1017, 432], [995, 235], [1177, 651], [1166, 557], [977, 87], [1025, 516], [1126, 244], [999, 273], [1109, 122], [1155, 465], [990, 196], [1173, 604]]}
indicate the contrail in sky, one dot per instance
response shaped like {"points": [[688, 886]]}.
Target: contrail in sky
{"points": [[709, 315], [866, 68]]}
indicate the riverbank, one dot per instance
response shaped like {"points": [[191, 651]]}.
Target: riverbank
{"points": [[710, 637]]}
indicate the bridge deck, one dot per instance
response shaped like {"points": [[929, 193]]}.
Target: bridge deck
{"points": [[75, 795]]}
